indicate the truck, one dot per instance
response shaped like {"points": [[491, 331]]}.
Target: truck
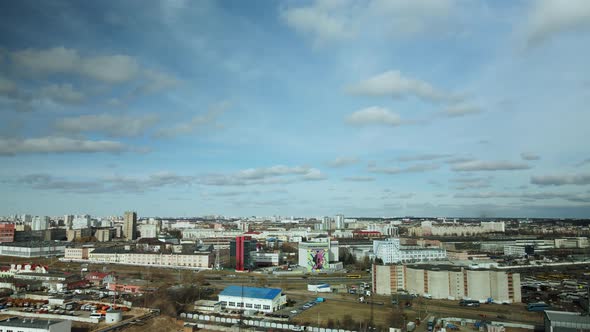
{"points": [[320, 299], [431, 322], [411, 326]]}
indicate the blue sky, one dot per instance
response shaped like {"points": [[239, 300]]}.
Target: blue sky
{"points": [[306, 108]]}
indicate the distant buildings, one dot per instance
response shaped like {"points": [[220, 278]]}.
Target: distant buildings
{"points": [[447, 282], [429, 228], [40, 223], [391, 251], [252, 298], [7, 232], [339, 220], [130, 225]]}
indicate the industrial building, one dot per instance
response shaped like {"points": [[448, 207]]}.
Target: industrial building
{"points": [[391, 251], [32, 249], [447, 282], [35, 325], [252, 298], [561, 321], [317, 255]]}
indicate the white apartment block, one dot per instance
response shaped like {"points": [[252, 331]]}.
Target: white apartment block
{"points": [[390, 251], [447, 282], [199, 260]]}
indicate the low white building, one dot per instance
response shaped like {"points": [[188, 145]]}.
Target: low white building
{"points": [[391, 251], [319, 288], [32, 249], [35, 325], [252, 298]]}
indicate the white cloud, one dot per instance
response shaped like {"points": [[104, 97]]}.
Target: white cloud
{"points": [[324, 21], [196, 122], [561, 180], [62, 93], [111, 125], [50, 144], [529, 156], [374, 116], [359, 178], [479, 165], [393, 84], [343, 161], [551, 17], [278, 174], [411, 169], [423, 157], [59, 60], [460, 110]]}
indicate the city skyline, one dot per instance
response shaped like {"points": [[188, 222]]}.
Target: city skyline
{"points": [[365, 108]]}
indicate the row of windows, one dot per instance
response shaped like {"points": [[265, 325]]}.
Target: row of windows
{"points": [[241, 305]]}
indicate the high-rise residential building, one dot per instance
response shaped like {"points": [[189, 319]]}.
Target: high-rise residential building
{"points": [[27, 218], [327, 224], [40, 223], [81, 222], [68, 221], [130, 225], [339, 221]]}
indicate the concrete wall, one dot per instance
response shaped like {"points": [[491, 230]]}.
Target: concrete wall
{"points": [[383, 278], [438, 284], [415, 280], [478, 284]]}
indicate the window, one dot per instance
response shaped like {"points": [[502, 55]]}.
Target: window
{"points": [[240, 304], [232, 304], [266, 307], [248, 305], [257, 306], [222, 303]]}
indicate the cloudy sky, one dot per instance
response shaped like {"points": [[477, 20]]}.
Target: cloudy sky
{"points": [[305, 108]]}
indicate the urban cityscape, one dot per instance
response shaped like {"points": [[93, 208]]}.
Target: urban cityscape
{"points": [[315, 165]]}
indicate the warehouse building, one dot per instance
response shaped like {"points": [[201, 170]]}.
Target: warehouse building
{"points": [[561, 321], [447, 282], [32, 249], [35, 325], [252, 298]]}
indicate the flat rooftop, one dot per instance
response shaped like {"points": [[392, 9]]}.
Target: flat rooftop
{"points": [[28, 322]]}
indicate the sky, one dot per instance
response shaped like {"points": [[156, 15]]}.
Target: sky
{"points": [[303, 108]]}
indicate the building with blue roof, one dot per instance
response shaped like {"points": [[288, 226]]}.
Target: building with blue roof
{"points": [[252, 298]]}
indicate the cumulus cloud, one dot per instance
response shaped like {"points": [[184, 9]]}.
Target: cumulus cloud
{"points": [[278, 174], [196, 122], [561, 180], [472, 183], [107, 124], [531, 196], [583, 162], [480, 165], [411, 169], [456, 111], [359, 178], [59, 60], [51, 144], [63, 93], [7, 87], [393, 84], [551, 17], [324, 21], [123, 184], [374, 116], [342, 161], [529, 156]]}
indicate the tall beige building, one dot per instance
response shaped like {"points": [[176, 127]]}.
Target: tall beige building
{"points": [[130, 225]]}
